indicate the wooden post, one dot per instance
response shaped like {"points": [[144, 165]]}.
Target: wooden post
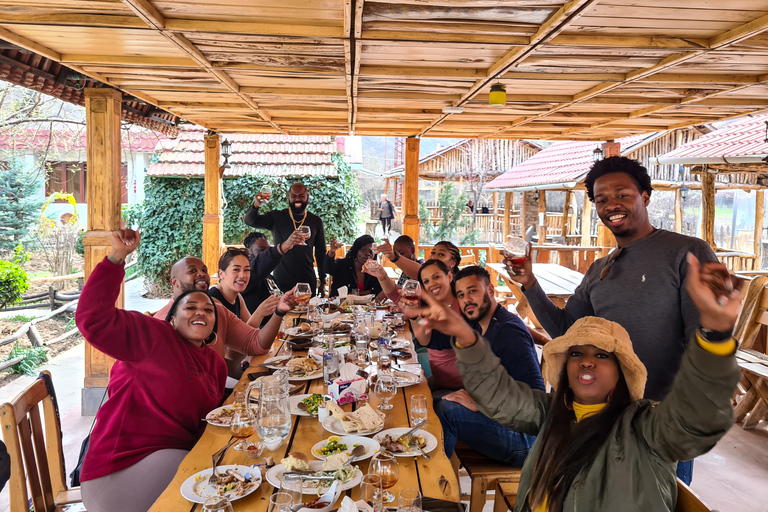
{"points": [[386, 189], [759, 223], [604, 236], [708, 208], [542, 217], [507, 212], [411, 190], [213, 220], [102, 118], [586, 222], [678, 211], [495, 203], [564, 231]]}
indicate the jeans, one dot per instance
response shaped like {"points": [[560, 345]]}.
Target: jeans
{"points": [[385, 223], [482, 434], [685, 471]]}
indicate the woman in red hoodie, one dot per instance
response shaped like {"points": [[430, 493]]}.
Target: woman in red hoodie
{"points": [[165, 379]]}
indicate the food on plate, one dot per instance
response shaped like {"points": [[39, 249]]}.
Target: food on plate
{"points": [[335, 462], [333, 446], [365, 419], [230, 483], [295, 461], [223, 416], [302, 366], [313, 401], [402, 444], [305, 327], [339, 326]]}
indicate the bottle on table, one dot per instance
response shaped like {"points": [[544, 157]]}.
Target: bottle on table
{"points": [[330, 362]]}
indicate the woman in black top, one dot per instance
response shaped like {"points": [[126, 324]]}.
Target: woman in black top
{"points": [[348, 271], [234, 274]]}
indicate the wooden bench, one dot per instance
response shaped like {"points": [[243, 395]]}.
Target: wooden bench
{"points": [[483, 473]]}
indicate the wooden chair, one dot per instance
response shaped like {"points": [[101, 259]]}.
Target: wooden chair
{"points": [[689, 501], [483, 473], [34, 444]]}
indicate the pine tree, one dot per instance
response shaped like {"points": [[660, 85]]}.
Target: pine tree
{"points": [[19, 206]]}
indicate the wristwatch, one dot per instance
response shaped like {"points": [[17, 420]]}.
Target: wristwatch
{"points": [[714, 336], [397, 256]]}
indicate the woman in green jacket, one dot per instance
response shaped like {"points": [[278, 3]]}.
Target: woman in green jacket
{"points": [[600, 446]]}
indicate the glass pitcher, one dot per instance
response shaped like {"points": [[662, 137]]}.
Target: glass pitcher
{"points": [[274, 410]]}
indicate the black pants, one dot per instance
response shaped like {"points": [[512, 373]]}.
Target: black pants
{"points": [[385, 222]]}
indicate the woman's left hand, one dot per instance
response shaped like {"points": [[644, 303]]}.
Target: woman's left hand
{"points": [[437, 316], [267, 307], [711, 288], [288, 301]]}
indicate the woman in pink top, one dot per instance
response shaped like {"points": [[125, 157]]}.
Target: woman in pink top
{"points": [[164, 380]]}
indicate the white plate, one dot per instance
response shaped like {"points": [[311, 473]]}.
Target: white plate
{"points": [[269, 363], [296, 332], [294, 401], [399, 344], [274, 474], [397, 432], [203, 490], [311, 376], [370, 445], [333, 425], [402, 379], [212, 420]]}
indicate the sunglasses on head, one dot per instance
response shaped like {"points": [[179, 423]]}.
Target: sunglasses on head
{"points": [[611, 261]]}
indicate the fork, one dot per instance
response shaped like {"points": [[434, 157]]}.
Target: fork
{"points": [[421, 450], [214, 478]]}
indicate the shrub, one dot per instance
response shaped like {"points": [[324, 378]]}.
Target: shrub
{"points": [[451, 208], [13, 282], [18, 203], [33, 357]]}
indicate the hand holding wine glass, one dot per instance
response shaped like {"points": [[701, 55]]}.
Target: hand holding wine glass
{"points": [[305, 232], [516, 254], [410, 293], [302, 294]]}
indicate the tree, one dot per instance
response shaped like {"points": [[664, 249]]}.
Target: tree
{"points": [[18, 204], [451, 208]]}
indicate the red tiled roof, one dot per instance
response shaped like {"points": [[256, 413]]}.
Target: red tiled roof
{"points": [[740, 138], [67, 140], [252, 154], [562, 162]]}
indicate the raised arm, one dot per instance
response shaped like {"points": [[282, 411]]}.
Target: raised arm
{"points": [[256, 220], [320, 257], [410, 267]]}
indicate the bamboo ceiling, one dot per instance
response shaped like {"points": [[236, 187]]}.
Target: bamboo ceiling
{"points": [[586, 69]]}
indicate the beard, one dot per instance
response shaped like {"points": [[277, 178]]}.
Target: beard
{"points": [[482, 309], [300, 210]]}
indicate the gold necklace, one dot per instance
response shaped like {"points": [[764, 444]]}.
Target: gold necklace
{"points": [[295, 227]]}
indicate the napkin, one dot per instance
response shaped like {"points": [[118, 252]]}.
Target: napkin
{"points": [[349, 387], [315, 301], [348, 371], [343, 291]]}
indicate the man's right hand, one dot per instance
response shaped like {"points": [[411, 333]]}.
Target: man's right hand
{"points": [[336, 245], [386, 249], [521, 273], [257, 200], [124, 242], [437, 316], [293, 240]]}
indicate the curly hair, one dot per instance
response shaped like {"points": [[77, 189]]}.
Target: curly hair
{"points": [[637, 172], [455, 254], [251, 238]]}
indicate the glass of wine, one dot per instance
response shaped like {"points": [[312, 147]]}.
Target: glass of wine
{"points": [[418, 409], [385, 391], [303, 294], [410, 292], [516, 249], [217, 504], [306, 232], [243, 426], [384, 464], [265, 192], [410, 501], [238, 400], [370, 491]]}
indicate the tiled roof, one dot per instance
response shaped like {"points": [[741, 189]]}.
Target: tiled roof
{"points": [[562, 162], [68, 140], [740, 138], [252, 154]]}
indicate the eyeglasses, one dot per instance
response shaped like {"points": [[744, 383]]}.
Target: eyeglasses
{"points": [[237, 251], [607, 268]]}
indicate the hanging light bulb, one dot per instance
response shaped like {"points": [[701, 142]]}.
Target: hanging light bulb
{"points": [[597, 155], [536, 195], [498, 96], [684, 192]]}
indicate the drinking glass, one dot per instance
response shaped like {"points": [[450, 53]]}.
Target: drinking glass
{"points": [[265, 192], [384, 464], [243, 426], [217, 504], [306, 232], [410, 501], [238, 400], [410, 292], [385, 391], [292, 487], [370, 491], [280, 502], [516, 249], [303, 294], [273, 288], [418, 409]]}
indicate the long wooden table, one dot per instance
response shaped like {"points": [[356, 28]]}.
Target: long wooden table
{"points": [[435, 478]]}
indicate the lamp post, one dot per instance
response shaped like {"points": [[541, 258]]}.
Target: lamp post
{"points": [[536, 195], [597, 155], [226, 151]]}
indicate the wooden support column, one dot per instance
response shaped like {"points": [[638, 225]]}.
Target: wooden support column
{"points": [[102, 117], [604, 236], [494, 211], [411, 190], [759, 224], [507, 212], [386, 189], [708, 208], [542, 217], [564, 225], [213, 219], [586, 222], [678, 211]]}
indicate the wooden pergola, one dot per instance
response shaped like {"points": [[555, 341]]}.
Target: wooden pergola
{"points": [[578, 70]]}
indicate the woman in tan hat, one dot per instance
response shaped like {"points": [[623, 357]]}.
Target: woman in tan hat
{"points": [[600, 446]]}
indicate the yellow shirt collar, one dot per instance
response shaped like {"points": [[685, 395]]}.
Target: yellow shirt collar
{"points": [[582, 411]]}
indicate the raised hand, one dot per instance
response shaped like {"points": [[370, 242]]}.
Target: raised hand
{"points": [[437, 316], [712, 290], [336, 245], [520, 271], [124, 242], [386, 249], [258, 200], [267, 307], [373, 268], [296, 238], [287, 301]]}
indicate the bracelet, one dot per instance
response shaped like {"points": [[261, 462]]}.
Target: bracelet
{"points": [[279, 248], [278, 313], [397, 257], [714, 336]]}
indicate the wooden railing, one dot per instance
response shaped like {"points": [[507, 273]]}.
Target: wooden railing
{"points": [[491, 227]]}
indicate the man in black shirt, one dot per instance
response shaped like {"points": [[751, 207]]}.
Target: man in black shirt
{"points": [[264, 259], [296, 265]]}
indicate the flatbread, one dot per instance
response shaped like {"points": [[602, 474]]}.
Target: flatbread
{"points": [[365, 419]]}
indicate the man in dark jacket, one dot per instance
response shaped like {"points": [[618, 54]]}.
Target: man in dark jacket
{"points": [[264, 259], [5, 465]]}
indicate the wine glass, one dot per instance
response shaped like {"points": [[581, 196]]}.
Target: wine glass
{"points": [[516, 249], [243, 426], [384, 464], [217, 504], [303, 294], [410, 501], [306, 232], [280, 502], [385, 391], [265, 192], [410, 291], [418, 409], [238, 400], [370, 491]]}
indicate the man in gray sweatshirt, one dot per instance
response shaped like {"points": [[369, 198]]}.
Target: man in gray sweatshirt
{"points": [[640, 285]]}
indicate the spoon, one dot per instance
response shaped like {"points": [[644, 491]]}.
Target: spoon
{"points": [[359, 451], [304, 407]]}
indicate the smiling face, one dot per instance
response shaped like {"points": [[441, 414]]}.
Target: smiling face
{"points": [[622, 207], [437, 282], [365, 254], [189, 274], [442, 253], [298, 197], [237, 274], [194, 317], [475, 298], [592, 374]]}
